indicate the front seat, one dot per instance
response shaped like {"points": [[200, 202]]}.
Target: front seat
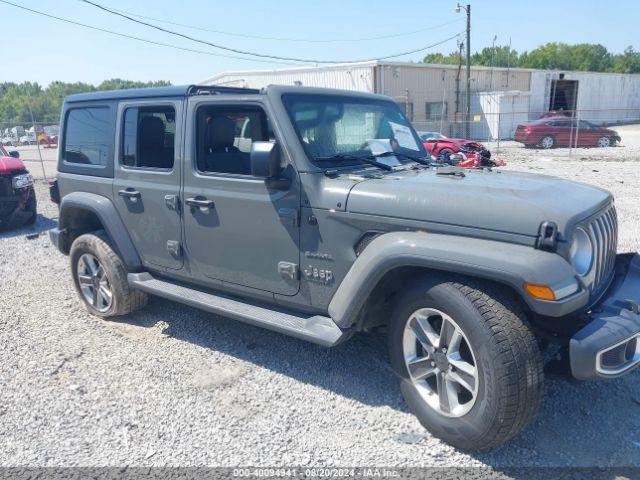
{"points": [[222, 155]]}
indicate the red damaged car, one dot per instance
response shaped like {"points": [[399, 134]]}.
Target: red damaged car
{"points": [[474, 153], [562, 131], [17, 196]]}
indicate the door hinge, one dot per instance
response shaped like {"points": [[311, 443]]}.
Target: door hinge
{"points": [[174, 248], [289, 216], [288, 270], [171, 201]]}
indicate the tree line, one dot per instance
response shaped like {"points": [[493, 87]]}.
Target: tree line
{"points": [[15, 98], [551, 56]]}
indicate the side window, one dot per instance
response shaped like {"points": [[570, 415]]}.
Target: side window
{"points": [[225, 135], [86, 136], [148, 137]]}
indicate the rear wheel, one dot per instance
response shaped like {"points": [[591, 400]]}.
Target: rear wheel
{"points": [[469, 367], [604, 142], [547, 142], [100, 277]]}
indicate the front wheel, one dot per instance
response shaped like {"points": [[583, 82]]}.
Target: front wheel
{"points": [[547, 142], [604, 142], [100, 277], [469, 367]]}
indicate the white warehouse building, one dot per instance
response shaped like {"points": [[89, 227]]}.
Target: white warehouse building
{"points": [[433, 96]]}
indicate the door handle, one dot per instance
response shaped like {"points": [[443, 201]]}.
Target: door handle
{"points": [[130, 193], [202, 203]]}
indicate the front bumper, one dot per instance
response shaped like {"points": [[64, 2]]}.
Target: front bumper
{"points": [[17, 209], [609, 345]]}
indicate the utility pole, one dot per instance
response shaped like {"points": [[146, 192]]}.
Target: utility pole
{"points": [[458, 132], [468, 106], [468, 131]]}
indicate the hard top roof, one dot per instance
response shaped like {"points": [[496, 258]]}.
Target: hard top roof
{"points": [[156, 92], [188, 90]]}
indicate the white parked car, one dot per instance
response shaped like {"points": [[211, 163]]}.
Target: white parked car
{"points": [[29, 138]]}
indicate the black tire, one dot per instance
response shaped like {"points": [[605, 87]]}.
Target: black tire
{"points": [[547, 142], [32, 206], [124, 298], [508, 361]]}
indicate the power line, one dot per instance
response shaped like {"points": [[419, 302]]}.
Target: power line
{"points": [[289, 39], [261, 55], [144, 40]]}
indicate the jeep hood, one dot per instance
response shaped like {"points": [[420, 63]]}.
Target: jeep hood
{"points": [[10, 164], [492, 200]]}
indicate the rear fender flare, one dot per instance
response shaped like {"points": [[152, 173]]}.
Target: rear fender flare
{"points": [[501, 262], [106, 212]]}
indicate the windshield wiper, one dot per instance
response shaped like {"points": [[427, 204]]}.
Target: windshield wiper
{"points": [[370, 159], [419, 160]]}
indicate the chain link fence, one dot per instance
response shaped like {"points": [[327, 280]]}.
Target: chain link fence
{"points": [[504, 122], [510, 132]]}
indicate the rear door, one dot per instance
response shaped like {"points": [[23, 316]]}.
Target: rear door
{"points": [[237, 231], [147, 176]]}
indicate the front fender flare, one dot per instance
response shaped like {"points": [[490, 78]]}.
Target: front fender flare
{"points": [[106, 212], [501, 262]]}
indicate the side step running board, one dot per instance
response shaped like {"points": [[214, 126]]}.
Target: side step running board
{"points": [[316, 329]]}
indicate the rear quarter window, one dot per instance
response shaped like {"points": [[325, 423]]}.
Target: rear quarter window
{"points": [[87, 136]]}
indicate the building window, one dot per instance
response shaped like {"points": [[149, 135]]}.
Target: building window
{"points": [[86, 136], [407, 109], [435, 110], [148, 137]]}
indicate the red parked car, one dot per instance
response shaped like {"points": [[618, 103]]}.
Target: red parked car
{"points": [[563, 131], [475, 154], [17, 196]]}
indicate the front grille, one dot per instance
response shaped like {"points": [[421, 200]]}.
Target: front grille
{"points": [[603, 231]]}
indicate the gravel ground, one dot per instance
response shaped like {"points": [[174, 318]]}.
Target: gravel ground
{"points": [[172, 385]]}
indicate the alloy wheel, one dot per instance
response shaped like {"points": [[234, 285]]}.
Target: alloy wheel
{"points": [[440, 362], [604, 142], [546, 142], [94, 284]]}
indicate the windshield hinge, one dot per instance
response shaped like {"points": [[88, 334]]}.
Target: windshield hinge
{"points": [[547, 236]]}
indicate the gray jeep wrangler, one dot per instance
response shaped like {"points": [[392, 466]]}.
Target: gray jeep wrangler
{"points": [[318, 213]]}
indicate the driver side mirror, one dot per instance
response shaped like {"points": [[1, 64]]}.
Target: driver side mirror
{"points": [[265, 163], [14, 153]]}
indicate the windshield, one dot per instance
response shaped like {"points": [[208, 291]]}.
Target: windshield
{"points": [[334, 129], [425, 136]]}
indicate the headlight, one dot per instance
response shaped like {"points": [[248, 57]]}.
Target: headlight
{"points": [[21, 181], [581, 252]]}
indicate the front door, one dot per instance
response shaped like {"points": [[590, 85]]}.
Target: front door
{"points": [[146, 183], [237, 230], [563, 132]]}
